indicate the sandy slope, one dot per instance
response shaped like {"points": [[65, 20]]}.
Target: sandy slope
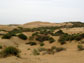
{"points": [[70, 55], [43, 24]]}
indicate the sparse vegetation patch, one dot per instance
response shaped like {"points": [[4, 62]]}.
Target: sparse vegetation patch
{"points": [[9, 51]]}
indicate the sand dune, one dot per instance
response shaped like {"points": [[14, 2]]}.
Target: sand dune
{"points": [[70, 55]]}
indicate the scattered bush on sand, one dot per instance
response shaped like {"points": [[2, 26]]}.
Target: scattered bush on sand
{"points": [[11, 33], [22, 36], [9, 51], [51, 50], [0, 46], [42, 44], [31, 43], [80, 47], [35, 52], [42, 49], [58, 33]]}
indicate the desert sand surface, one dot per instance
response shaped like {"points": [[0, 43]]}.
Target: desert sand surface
{"points": [[70, 55]]}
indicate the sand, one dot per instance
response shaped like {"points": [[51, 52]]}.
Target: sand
{"points": [[70, 55]]}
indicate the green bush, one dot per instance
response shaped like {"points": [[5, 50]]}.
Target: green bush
{"points": [[35, 34], [45, 32], [51, 40], [42, 44], [11, 33], [58, 49], [22, 36], [43, 38], [28, 49], [42, 49], [63, 38], [66, 37], [6, 36], [79, 37], [31, 37], [10, 51], [31, 43], [53, 47], [60, 32], [36, 52], [80, 47], [0, 46]]}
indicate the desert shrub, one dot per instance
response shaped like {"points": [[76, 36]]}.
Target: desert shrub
{"points": [[60, 32], [28, 49], [31, 43], [66, 37], [42, 38], [42, 44], [35, 34], [42, 49], [79, 37], [80, 47], [0, 46], [6, 36], [31, 38], [36, 52], [22, 36], [50, 51], [58, 49], [10, 51], [63, 38], [15, 31], [53, 47], [11, 33], [45, 32], [26, 30], [77, 24], [51, 40]]}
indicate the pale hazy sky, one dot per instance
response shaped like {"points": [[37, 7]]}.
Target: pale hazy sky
{"points": [[22, 11]]}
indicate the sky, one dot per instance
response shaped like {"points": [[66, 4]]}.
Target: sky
{"points": [[24, 11]]}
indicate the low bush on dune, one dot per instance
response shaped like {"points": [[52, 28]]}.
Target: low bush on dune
{"points": [[58, 49], [11, 33], [44, 38], [6, 36], [31, 37], [42, 44], [9, 51], [0, 46], [22, 36], [46, 32], [63, 38], [35, 52], [51, 40], [58, 33], [67, 37], [77, 24], [80, 47], [31, 43], [54, 49], [51, 50], [35, 34], [42, 49]]}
